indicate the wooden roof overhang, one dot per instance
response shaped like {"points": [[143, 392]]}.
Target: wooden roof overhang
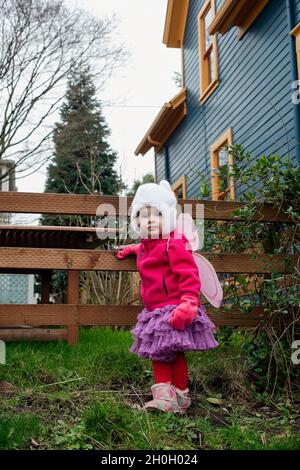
{"points": [[175, 22], [168, 118], [232, 13]]}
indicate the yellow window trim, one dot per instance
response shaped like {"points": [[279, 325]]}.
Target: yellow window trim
{"points": [[225, 138], [182, 66], [207, 90], [241, 13], [181, 182], [296, 33], [246, 22]]}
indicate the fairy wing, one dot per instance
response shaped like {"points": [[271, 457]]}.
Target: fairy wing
{"points": [[210, 284]]}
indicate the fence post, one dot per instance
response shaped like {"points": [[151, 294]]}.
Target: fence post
{"points": [[45, 291], [73, 298]]}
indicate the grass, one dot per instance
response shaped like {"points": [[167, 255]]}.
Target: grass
{"points": [[87, 397]]}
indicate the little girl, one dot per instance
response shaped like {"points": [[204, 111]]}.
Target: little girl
{"points": [[173, 320]]}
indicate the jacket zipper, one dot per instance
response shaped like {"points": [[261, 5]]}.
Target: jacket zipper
{"points": [[164, 285]]}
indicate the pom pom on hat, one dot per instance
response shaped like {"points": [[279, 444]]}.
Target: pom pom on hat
{"points": [[160, 196]]}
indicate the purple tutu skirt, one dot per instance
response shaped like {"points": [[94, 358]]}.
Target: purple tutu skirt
{"points": [[155, 339]]}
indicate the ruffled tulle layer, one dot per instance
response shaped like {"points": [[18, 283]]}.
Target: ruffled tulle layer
{"points": [[155, 339]]}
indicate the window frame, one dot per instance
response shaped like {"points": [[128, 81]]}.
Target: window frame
{"points": [[225, 138], [180, 182], [207, 87]]}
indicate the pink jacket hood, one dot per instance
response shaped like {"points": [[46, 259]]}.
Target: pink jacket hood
{"points": [[165, 277]]}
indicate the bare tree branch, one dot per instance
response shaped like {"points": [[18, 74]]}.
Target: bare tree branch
{"points": [[41, 42]]}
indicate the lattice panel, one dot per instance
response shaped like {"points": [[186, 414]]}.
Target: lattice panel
{"points": [[15, 288]]}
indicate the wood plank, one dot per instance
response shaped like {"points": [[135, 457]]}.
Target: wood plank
{"points": [[61, 204], [53, 228], [33, 334], [107, 315], [38, 314], [126, 315], [91, 260], [85, 204]]}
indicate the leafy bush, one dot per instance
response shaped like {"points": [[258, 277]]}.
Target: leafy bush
{"points": [[276, 180]]}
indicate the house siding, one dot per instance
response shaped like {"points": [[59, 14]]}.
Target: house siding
{"points": [[253, 97], [297, 11]]}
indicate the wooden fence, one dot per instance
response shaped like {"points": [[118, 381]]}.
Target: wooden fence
{"points": [[33, 250]]}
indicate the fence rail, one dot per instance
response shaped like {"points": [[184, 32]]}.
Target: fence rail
{"points": [[85, 204], [104, 315], [105, 260]]}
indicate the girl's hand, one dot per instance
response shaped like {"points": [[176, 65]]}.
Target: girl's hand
{"points": [[128, 250], [184, 314]]}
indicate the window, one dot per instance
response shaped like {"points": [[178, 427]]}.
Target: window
{"points": [[179, 188], [222, 161], [296, 33], [208, 60]]}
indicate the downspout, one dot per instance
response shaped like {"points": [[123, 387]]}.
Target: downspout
{"points": [[167, 163], [294, 73]]}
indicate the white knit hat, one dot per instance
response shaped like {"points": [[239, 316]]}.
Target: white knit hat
{"points": [[160, 196]]}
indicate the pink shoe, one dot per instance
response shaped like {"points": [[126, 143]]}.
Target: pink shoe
{"points": [[164, 398], [183, 400]]}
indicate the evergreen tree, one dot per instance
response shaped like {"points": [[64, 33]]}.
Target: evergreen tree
{"points": [[83, 161], [148, 178]]}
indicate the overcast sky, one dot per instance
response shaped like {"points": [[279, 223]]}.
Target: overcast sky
{"points": [[139, 90]]}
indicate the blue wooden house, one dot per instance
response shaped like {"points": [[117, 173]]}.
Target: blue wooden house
{"points": [[240, 63]]}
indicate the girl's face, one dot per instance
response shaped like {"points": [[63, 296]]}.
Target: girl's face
{"points": [[149, 221]]}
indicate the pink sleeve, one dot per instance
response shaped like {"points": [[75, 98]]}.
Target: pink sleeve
{"points": [[182, 263]]}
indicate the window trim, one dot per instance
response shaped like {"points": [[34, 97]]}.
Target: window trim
{"points": [[225, 138], [208, 90], [236, 13], [252, 15], [180, 182]]}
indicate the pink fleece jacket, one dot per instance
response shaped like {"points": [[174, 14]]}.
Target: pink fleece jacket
{"points": [[166, 276]]}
